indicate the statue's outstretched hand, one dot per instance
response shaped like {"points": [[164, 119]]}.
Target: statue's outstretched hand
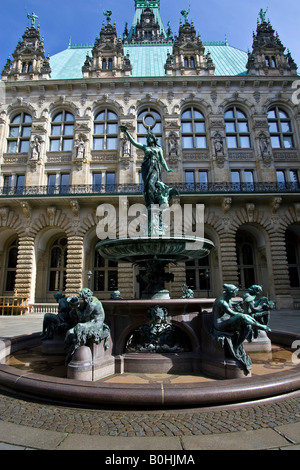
{"points": [[123, 128]]}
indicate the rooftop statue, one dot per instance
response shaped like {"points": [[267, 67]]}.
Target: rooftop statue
{"points": [[108, 14], [185, 13], [33, 17], [262, 15], [232, 326]]}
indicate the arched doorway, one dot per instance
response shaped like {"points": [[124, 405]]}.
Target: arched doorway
{"points": [[252, 251]]}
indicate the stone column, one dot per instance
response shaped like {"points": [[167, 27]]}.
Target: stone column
{"points": [[74, 265], [228, 260], [175, 287], [125, 280], [26, 269], [280, 274]]}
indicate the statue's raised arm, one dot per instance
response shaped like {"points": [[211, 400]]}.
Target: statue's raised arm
{"points": [[131, 139]]}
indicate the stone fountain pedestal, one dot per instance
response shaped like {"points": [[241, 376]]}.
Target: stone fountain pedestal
{"points": [[194, 319]]}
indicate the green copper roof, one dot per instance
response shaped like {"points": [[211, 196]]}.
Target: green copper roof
{"points": [[148, 60]]}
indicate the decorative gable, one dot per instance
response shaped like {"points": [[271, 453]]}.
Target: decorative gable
{"points": [[107, 54], [188, 57], [29, 61], [268, 54]]}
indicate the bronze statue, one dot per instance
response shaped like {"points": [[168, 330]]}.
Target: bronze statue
{"points": [[91, 326], [259, 309], [232, 326], [61, 321], [158, 335], [155, 190]]}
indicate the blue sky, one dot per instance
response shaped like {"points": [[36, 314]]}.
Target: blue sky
{"points": [[81, 20]]}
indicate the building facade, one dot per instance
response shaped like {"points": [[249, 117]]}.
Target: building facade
{"points": [[229, 125]]}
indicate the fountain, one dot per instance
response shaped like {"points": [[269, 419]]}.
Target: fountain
{"points": [[154, 335]]}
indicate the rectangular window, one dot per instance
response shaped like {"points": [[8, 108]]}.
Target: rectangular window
{"points": [[232, 142], [54, 145], [110, 181], [200, 142], [64, 182], [236, 180], [281, 179], [294, 179], [275, 142], [20, 183], [203, 179], [190, 180], [111, 143], [245, 142], [98, 143], [51, 184], [12, 146], [97, 182], [249, 180], [67, 145], [7, 183]]}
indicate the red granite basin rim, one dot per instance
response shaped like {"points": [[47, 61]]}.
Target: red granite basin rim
{"points": [[153, 395]]}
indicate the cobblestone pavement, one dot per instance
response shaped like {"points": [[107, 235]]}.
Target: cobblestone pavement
{"points": [[26, 424], [150, 423]]}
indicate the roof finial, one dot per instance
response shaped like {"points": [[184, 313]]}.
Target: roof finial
{"points": [[262, 14], [33, 17], [108, 14], [185, 13]]}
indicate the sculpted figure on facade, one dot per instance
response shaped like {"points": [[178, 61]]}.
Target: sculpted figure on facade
{"points": [[35, 148]]}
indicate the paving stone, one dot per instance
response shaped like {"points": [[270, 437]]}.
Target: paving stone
{"points": [[247, 440], [119, 443]]}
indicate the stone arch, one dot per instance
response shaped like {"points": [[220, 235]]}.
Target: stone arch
{"points": [[55, 220], [157, 104], [62, 104], [7, 237], [243, 103], [270, 102], [107, 103], [292, 237], [200, 103], [19, 106]]}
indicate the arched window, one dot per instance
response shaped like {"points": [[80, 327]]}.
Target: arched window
{"points": [[104, 64], [58, 265], [149, 119], [105, 274], [280, 129], [106, 131], [62, 132], [193, 129], [245, 260], [11, 266], [19, 133], [292, 251], [237, 129], [110, 64]]}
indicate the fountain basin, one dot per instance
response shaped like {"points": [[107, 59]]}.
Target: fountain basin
{"points": [[189, 392], [173, 249]]}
